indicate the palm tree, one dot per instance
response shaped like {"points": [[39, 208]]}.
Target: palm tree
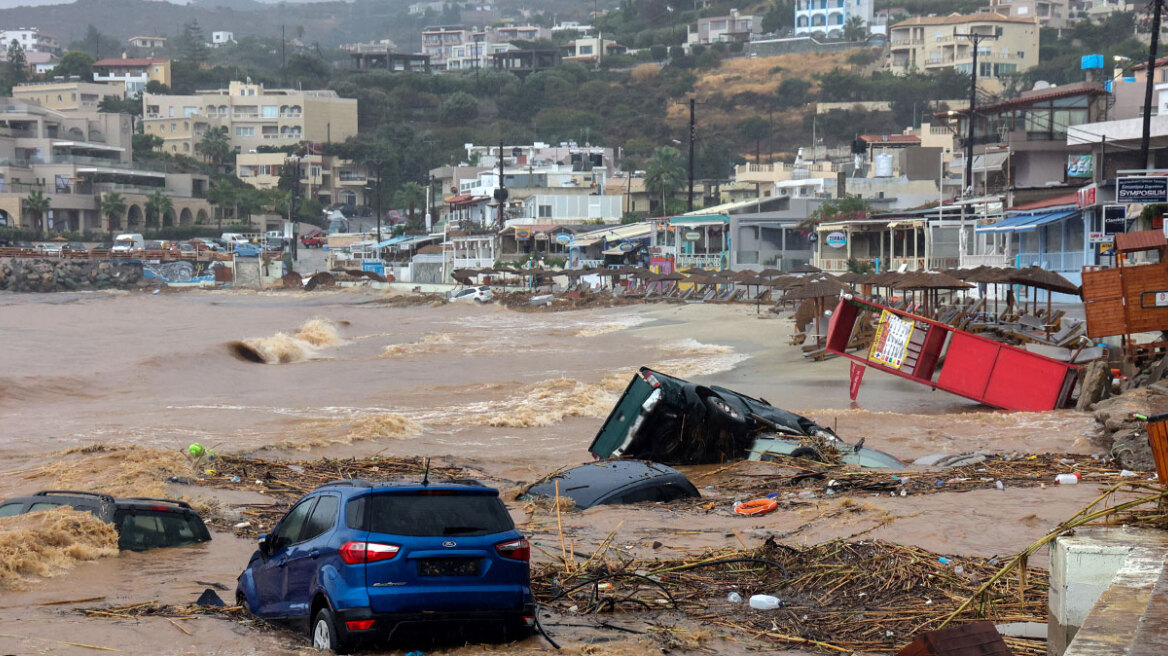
{"points": [[410, 194], [854, 29], [664, 173], [158, 205], [113, 206], [215, 146], [222, 196], [37, 204]]}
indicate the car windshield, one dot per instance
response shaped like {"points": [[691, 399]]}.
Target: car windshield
{"points": [[147, 529], [441, 515]]}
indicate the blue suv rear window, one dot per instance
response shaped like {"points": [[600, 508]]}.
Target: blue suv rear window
{"points": [[429, 516]]}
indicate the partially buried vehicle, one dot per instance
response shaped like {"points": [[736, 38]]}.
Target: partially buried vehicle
{"points": [[616, 482], [142, 523], [673, 421]]}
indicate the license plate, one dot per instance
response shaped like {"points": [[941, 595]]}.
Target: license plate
{"points": [[448, 567]]}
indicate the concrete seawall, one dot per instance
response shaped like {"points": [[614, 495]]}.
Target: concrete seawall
{"points": [[53, 275]]}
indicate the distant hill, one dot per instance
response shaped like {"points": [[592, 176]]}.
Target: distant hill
{"points": [[329, 23]]}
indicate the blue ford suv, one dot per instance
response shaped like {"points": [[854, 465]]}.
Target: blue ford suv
{"points": [[354, 562]]}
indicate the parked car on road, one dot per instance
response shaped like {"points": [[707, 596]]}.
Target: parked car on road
{"points": [[247, 249], [670, 420], [142, 523], [74, 248], [355, 562], [616, 482], [313, 239], [478, 294], [50, 248]]}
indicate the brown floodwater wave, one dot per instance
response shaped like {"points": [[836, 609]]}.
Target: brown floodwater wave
{"points": [[283, 348], [35, 389], [47, 543]]}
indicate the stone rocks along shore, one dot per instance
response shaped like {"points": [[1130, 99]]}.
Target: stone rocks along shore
{"points": [[52, 275]]}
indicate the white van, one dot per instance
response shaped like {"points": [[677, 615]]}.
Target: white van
{"points": [[231, 239], [129, 242]]}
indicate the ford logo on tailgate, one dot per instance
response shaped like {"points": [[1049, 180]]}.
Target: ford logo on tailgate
{"points": [[450, 544]]}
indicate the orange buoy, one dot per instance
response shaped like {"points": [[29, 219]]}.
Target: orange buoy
{"points": [[756, 507]]}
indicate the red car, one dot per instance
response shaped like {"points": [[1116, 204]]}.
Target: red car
{"points": [[313, 239]]}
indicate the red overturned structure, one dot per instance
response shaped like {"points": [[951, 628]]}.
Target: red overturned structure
{"points": [[944, 357]]}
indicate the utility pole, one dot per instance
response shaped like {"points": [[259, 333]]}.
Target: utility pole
{"points": [[1157, 8], [501, 192], [283, 57], [689, 204], [976, 39]]}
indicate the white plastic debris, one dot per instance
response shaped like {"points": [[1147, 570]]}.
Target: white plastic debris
{"points": [[734, 598], [764, 602]]}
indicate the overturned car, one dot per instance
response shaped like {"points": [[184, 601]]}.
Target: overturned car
{"points": [[672, 421]]}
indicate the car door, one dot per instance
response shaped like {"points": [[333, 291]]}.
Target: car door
{"points": [[306, 556], [271, 574]]}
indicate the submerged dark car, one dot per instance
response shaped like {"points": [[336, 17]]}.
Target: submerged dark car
{"points": [[142, 523], [616, 482], [674, 421]]}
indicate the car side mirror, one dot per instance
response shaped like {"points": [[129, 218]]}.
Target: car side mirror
{"points": [[265, 547]]}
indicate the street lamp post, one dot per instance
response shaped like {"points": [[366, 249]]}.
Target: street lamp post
{"points": [[294, 162]]}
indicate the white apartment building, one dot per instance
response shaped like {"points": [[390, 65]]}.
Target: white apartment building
{"points": [[453, 47], [253, 116], [222, 38], [31, 39], [1049, 13], [719, 29], [828, 17]]}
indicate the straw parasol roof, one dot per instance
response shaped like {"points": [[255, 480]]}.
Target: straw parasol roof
{"points": [[849, 276], [931, 280], [670, 277], [1042, 279], [771, 273], [818, 288]]}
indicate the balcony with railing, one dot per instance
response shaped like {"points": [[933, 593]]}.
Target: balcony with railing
{"points": [[1064, 261], [992, 259], [717, 261]]}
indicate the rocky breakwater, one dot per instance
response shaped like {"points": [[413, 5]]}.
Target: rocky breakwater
{"points": [[51, 275]]}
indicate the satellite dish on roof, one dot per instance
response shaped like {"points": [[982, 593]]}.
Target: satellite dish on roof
{"points": [[1041, 84]]}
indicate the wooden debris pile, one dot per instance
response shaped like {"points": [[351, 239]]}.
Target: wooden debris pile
{"points": [[1034, 470], [839, 596]]}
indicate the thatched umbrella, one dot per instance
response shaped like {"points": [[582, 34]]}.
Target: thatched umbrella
{"points": [[771, 273], [1039, 278], [931, 283], [817, 289]]}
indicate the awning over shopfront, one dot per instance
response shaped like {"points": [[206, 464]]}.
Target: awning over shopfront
{"points": [[989, 161], [1026, 222]]}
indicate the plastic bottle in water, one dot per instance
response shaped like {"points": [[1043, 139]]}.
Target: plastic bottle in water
{"points": [[764, 602], [1068, 479]]}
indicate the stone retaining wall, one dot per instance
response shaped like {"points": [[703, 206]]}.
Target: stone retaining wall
{"points": [[52, 275]]}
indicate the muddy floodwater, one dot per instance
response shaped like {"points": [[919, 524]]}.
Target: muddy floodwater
{"points": [[512, 395]]}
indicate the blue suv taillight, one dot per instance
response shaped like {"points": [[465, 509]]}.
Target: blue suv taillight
{"points": [[354, 553], [514, 549]]}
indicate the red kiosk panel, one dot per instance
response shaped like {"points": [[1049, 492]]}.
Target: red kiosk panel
{"points": [[968, 364], [1025, 381]]}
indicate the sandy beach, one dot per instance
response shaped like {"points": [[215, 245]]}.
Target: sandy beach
{"points": [[508, 395]]}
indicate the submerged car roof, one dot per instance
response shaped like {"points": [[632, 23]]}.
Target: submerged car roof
{"points": [[589, 482]]}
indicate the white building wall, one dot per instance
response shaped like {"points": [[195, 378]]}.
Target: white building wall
{"points": [[829, 16]]}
